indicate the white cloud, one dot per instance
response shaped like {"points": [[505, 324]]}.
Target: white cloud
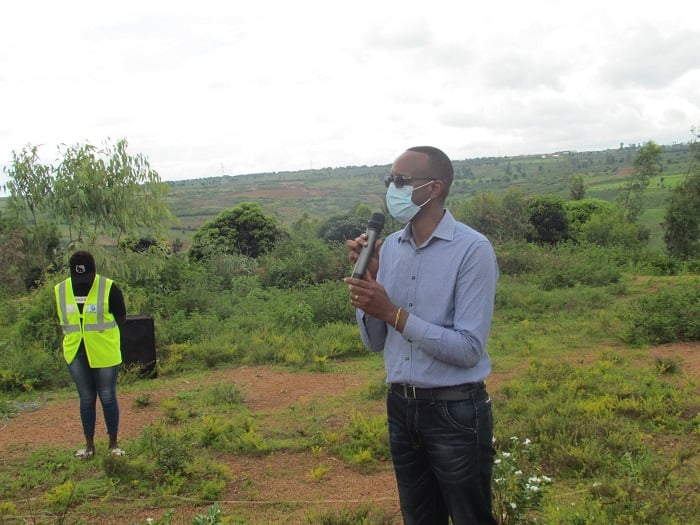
{"points": [[207, 87]]}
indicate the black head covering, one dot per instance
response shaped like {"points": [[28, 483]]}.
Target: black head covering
{"points": [[82, 267]]}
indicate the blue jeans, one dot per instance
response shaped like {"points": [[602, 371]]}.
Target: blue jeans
{"points": [[93, 382], [443, 458]]}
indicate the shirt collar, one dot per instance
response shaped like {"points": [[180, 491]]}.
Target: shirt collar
{"points": [[444, 230]]}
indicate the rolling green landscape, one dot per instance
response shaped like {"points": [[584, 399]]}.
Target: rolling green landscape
{"points": [[266, 408], [324, 192]]}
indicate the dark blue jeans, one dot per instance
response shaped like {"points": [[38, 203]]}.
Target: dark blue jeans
{"points": [[443, 458], [93, 382]]}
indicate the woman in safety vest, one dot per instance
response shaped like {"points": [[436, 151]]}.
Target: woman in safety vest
{"points": [[90, 310]]}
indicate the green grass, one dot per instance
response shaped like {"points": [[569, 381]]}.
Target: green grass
{"points": [[614, 430]]}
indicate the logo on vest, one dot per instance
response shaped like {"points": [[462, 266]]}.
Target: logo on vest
{"points": [[92, 308]]}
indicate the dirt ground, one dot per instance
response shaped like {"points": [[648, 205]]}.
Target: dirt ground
{"points": [[279, 479], [260, 484]]}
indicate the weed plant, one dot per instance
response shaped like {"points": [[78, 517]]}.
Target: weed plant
{"points": [[365, 514], [367, 441], [518, 483]]}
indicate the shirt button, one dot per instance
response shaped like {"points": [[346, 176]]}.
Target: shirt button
{"points": [[407, 358], [413, 277], [410, 304]]}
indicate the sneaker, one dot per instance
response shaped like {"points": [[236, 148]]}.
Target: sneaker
{"points": [[84, 453], [116, 451]]}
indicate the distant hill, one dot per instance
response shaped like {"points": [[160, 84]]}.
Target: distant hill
{"points": [[321, 193]]}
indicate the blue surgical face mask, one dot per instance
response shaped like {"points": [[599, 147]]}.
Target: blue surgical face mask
{"points": [[399, 202]]}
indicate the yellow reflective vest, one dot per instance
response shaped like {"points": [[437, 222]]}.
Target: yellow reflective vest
{"points": [[95, 326]]}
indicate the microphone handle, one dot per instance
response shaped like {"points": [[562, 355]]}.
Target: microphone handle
{"points": [[365, 255]]}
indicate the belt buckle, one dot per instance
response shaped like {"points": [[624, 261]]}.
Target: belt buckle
{"points": [[409, 391]]}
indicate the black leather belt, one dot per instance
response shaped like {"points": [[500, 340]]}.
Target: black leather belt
{"points": [[443, 393]]}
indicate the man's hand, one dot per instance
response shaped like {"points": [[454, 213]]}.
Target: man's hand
{"points": [[355, 247]]}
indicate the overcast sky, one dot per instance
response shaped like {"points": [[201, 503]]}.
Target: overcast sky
{"points": [[209, 87]]}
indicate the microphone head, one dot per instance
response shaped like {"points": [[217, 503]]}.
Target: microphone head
{"points": [[376, 222]]}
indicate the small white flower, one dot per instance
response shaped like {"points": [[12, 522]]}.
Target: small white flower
{"points": [[513, 505], [496, 461], [507, 454], [547, 479], [527, 441], [519, 472], [514, 438]]}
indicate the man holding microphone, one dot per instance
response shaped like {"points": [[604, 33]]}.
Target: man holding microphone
{"points": [[426, 299]]}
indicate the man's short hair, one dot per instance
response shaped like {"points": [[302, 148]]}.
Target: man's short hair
{"points": [[439, 164]]}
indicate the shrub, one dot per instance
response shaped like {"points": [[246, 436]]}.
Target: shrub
{"points": [[301, 262], [670, 314]]}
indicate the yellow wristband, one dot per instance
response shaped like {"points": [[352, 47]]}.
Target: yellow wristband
{"points": [[396, 320]]}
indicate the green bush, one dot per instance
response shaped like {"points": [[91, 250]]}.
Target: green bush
{"points": [[301, 262], [562, 266], [670, 314]]}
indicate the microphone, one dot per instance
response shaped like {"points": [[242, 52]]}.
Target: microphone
{"points": [[374, 228]]}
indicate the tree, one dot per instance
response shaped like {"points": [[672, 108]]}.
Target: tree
{"points": [[483, 213], [342, 227], [244, 230], [109, 191], [78, 190], [682, 217], [647, 165], [12, 255], [579, 212], [577, 189], [500, 219], [547, 216], [31, 191], [515, 224], [607, 227], [30, 182]]}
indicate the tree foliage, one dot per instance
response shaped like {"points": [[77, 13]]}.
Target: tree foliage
{"points": [[647, 164], [30, 182], [31, 193], [682, 217], [499, 218], [108, 192], [244, 230], [577, 188], [95, 192], [547, 216], [339, 228], [13, 255]]}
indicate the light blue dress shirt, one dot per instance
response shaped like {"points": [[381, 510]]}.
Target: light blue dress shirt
{"points": [[448, 287]]}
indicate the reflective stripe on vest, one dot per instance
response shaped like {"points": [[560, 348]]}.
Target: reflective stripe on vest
{"points": [[100, 325]]}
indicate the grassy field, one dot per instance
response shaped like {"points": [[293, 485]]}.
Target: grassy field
{"points": [[267, 407], [610, 431]]}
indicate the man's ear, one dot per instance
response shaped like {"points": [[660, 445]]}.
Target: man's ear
{"points": [[438, 188]]}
